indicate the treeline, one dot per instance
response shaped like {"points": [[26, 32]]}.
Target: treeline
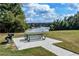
{"points": [[68, 23], [12, 18], [39, 24]]}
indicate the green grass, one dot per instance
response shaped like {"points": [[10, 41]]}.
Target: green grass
{"points": [[10, 50], [70, 39], [68, 46], [37, 51]]}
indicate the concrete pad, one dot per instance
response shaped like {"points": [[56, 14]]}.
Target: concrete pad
{"points": [[22, 44], [47, 44]]}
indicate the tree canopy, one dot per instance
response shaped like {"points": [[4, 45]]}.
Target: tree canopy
{"points": [[68, 23], [12, 18]]}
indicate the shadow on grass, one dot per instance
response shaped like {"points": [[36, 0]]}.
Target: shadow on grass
{"points": [[3, 43]]}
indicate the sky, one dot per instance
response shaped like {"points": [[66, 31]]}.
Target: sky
{"points": [[48, 12]]}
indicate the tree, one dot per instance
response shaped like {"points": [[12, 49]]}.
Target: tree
{"points": [[68, 23], [12, 18]]}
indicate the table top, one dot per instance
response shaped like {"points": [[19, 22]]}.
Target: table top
{"points": [[39, 30]]}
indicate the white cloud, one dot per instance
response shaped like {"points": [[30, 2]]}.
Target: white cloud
{"points": [[67, 15], [76, 6], [36, 6], [43, 13], [30, 13], [70, 8], [39, 13]]}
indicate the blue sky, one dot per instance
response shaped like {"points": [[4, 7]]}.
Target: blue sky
{"points": [[48, 12]]}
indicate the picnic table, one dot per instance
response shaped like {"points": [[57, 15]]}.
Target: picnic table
{"points": [[35, 33]]}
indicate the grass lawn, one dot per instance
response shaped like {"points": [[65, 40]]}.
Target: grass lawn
{"points": [[11, 50], [70, 39]]}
